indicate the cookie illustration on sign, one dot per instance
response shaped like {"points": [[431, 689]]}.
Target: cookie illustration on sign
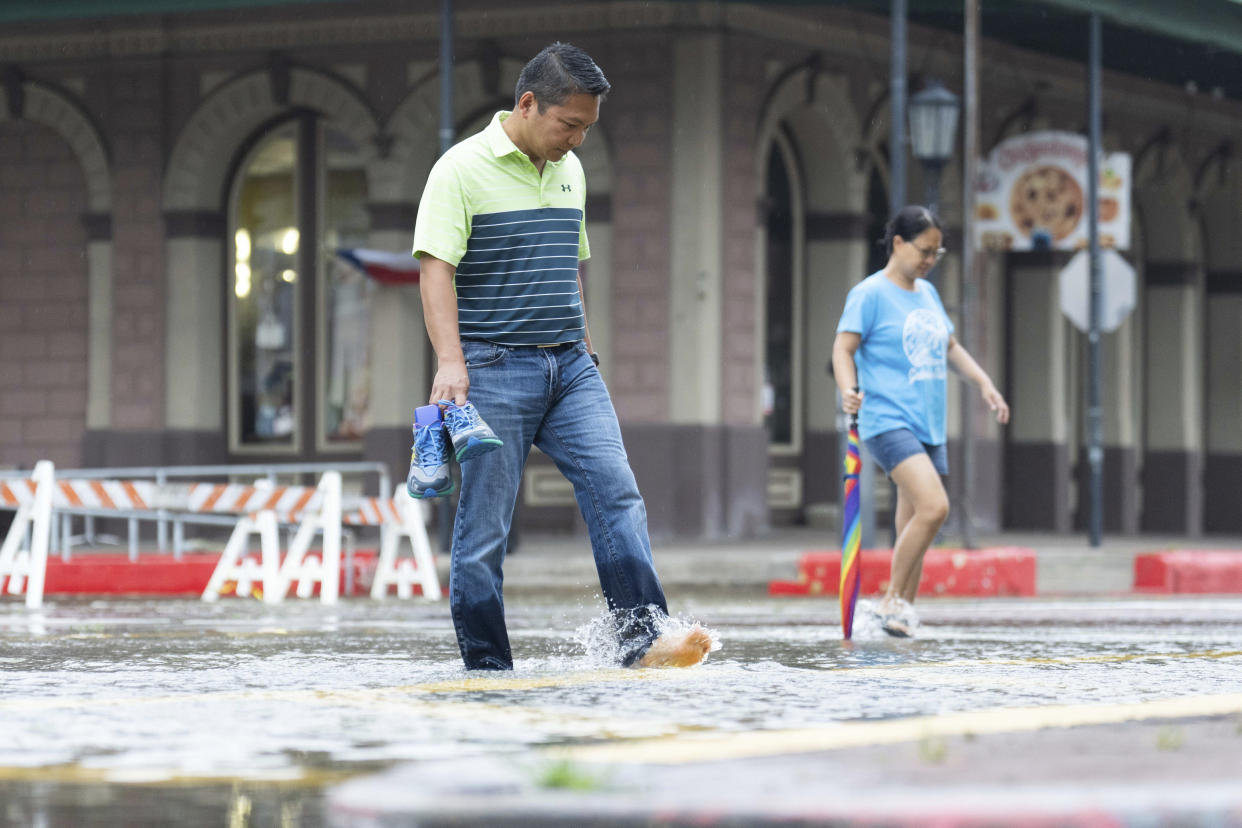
{"points": [[1046, 200]]}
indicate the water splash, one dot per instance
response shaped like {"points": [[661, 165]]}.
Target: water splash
{"points": [[868, 621], [602, 637]]}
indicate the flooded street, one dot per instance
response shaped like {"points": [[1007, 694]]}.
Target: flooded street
{"points": [[236, 713]]}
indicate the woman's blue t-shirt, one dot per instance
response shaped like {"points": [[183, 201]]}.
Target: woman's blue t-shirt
{"points": [[902, 360]]}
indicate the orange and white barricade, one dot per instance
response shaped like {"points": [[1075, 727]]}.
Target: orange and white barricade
{"points": [[24, 566], [316, 511], [401, 517], [260, 510], [325, 570], [264, 508]]}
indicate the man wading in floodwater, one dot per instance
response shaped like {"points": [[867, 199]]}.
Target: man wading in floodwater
{"points": [[500, 233]]}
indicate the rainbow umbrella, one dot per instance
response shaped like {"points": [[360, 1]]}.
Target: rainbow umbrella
{"points": [[851, 533]]}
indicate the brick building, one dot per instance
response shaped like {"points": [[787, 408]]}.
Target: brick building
{"points": [[173, 187]]}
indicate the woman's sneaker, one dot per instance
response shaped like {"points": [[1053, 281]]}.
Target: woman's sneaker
{"points": [[898, 618], [429, 461], [471, 436]]}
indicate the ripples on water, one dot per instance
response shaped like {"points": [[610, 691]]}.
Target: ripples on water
{"points": [[141, 689]]}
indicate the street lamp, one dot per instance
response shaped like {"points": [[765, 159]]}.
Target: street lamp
{"points": [[933, 134]]}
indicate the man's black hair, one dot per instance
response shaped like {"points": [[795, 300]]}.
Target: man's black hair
{"points": [[557, 72]]}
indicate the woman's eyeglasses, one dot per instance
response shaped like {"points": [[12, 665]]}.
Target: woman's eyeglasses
{"points": [[928, 253]]}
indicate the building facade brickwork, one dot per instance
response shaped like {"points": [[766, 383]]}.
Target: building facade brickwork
{"points": [[136, 328]]}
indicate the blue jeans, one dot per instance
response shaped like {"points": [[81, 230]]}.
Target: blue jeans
{"points": [[553, 398]]}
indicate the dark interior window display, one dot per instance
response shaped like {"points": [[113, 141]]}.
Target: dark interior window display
{"points": [[265, 294]]}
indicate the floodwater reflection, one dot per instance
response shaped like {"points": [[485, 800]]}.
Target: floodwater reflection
{"points": [[238, 705]]}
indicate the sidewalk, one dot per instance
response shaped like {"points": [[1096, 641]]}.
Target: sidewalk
{"points": [[1066, 564]]}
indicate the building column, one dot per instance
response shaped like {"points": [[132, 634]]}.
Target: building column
{"points": [[836, 260], [1223, 463], [689, 469], [984, 337], [194, 338], [1172, 468], [695, 290], [1037, 463], [99, 325]]}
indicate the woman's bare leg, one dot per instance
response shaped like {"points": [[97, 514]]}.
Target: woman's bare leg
{"points": [[922, 507]]}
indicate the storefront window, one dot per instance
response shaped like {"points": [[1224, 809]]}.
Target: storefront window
{"points": [[298, 313], [264, 296]]}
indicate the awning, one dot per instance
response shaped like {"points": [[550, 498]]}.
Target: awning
{"points": [[1213, 22], [383, 266]]}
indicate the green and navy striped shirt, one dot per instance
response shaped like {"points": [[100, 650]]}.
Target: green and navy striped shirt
{"points": [[515, 237]]}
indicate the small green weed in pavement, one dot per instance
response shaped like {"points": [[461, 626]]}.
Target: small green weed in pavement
{"points": [[933, 749], [563, 775], [1170, 738]]}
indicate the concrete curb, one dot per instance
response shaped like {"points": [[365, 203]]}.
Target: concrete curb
{"points": [[996, 571], [1197, 571]]}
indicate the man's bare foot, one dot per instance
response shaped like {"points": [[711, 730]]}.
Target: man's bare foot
{"points": [[680, 649]]}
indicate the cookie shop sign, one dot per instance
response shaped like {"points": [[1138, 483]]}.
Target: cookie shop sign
{"points": [[1031, 194]]}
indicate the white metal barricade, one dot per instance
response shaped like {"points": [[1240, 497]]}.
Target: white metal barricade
{"points": [[405, 573], [25, 565], [259, 509]]}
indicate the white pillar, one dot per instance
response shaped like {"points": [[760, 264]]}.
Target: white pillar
{"points": [[99, 367], [697, 268], [193, 370]]}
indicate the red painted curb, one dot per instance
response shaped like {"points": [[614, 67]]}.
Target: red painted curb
{"points": [[996, 571], [160, 575], [1199, 571]]}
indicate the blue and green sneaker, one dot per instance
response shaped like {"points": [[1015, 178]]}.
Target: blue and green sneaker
{"points": [[471, 436], [429, 461]]}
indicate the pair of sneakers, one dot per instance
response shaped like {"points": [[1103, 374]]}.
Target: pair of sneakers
{"points": [[429, 460]]}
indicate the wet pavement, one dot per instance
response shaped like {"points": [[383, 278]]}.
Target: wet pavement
{"points": [[141, 712]]}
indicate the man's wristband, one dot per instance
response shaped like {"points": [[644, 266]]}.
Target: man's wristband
{"points": [[595, 358]]}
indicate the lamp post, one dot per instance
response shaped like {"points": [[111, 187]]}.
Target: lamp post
{"points": [[933, 134]]}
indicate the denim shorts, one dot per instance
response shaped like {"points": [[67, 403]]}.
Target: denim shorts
{"points": [[891, 447]]}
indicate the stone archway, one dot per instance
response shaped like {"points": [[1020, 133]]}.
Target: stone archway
{"points": [[64, 114], [195, 223], [199, 163], [811, 118]]}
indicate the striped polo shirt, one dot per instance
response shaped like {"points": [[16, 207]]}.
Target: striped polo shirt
{"points": [[515, 237]]}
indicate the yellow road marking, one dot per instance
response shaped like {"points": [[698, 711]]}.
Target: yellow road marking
{"points": [[501, 683], [359, 695], [723, 746], [1116, 658], [293, 777]]}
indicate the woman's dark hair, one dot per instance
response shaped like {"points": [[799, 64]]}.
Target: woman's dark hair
{"points": [[908, 223], [557, 72]]}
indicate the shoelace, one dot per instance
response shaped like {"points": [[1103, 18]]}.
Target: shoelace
{"points": [[461, 418], [429, 448]]}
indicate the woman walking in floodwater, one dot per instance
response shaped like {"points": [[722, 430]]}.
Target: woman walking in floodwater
{"points": [[890, 358]]}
